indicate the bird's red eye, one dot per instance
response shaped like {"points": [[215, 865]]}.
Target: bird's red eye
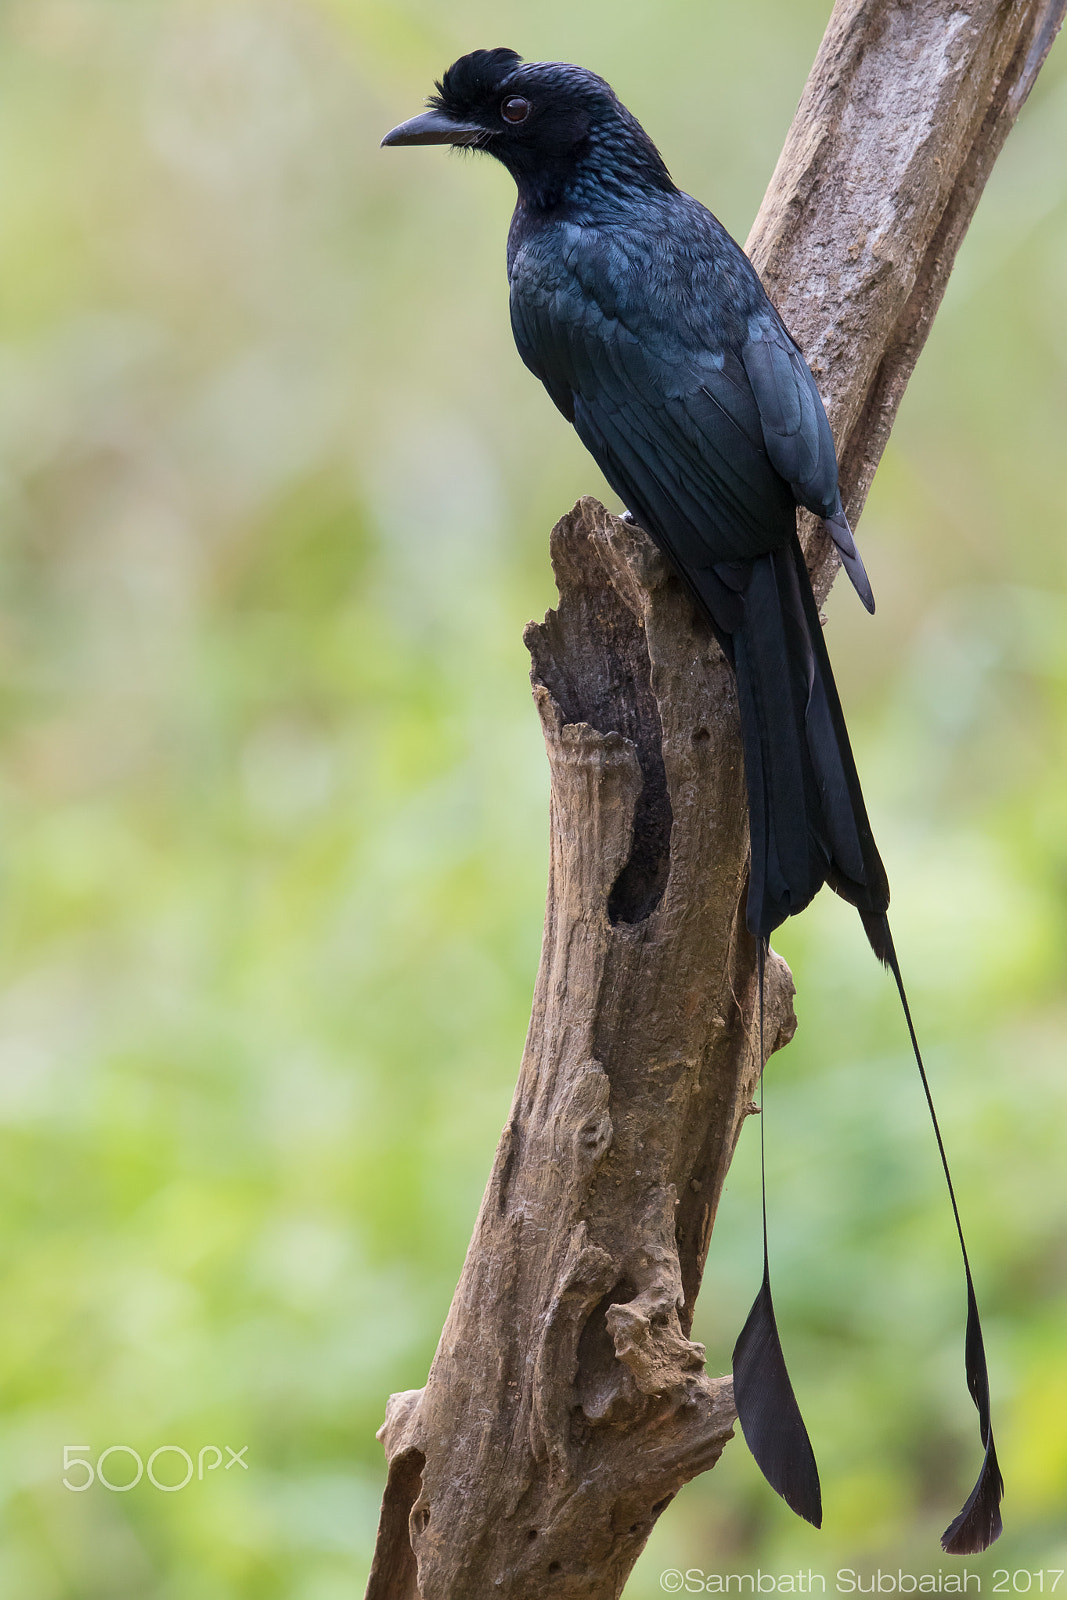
{"points": [[515, 109]]}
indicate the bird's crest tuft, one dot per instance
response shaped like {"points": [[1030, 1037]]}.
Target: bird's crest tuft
{"points": [[474, 78]]}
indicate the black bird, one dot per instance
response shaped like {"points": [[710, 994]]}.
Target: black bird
{"points": [[653, 335]]}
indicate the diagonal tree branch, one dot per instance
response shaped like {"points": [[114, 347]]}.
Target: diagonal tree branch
{"points": [[907, 107], [566, 1404]]}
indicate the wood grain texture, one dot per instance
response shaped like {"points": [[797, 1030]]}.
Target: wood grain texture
{"points": [[566, 1404]]}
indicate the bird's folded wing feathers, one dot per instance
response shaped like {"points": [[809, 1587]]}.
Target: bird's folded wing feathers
{"points": [[797, 436], [683, 418], [720, 445], [795, 429]]}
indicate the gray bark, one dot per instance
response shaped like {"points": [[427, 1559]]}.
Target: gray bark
{"points": [[566, 1404]]}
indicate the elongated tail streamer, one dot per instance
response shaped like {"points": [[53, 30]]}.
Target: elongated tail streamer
{"points": [[766, 1405], [979, 1523]]}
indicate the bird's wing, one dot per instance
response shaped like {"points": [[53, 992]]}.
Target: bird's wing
{"points": [[795, 430], [672, 420], [797, 435]]}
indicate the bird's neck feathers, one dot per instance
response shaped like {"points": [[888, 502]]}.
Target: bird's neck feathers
{"points": [[613, 162]]}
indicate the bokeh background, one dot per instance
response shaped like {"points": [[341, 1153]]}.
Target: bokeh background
{"points": [[275, 494]]}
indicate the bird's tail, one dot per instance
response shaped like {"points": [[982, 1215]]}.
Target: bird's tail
{"points": [[806, 813], [979, 1523], [809, 826]]}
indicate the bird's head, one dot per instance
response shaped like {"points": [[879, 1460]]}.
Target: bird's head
{"points": [[550, 124]]}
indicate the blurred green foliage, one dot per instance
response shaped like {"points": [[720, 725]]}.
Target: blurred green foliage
{"points": [[275, 494]]}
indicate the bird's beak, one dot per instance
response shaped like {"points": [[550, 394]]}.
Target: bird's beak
{"points": [[434, 127]]}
